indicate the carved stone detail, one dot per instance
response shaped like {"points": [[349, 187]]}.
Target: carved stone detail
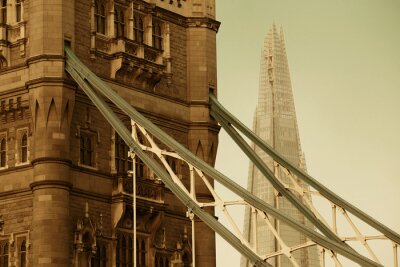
{"points": [[14, 108]]}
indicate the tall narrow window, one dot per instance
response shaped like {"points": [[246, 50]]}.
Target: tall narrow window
{"points": [[139, 166], [138, 29], [18, 9], [24, 148], [100, 16], [85, 150], [118, 250], [3, 13], [119, 22], [4, 254], [22, 254], [157, 35], [130, 252], [143, 254], [3, 152], [103, 256], [123, 163], [123, 252], [100, 258]]}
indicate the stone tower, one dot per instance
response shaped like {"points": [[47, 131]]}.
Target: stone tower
{"points": [[65, 190], [275, 122]]}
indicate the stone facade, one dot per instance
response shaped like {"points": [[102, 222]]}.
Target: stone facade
{"points": [[275, 122], [65, 194]]}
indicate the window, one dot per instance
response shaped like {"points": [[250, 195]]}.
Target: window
{"points": [[100, 258], [3, 13], [22, 254], [86, 150], [24, 148], [157, 37], [4, 254], [3, 152], [119, 22], [138, 29], [139, 165], [123, 163], [161, 260], [18, 10], [124, 252], [100, 17], [142, 254]]}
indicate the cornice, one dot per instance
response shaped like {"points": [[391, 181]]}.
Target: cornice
{"points": [[51, 80], [51, 184], [202, 22], [45, 160]]}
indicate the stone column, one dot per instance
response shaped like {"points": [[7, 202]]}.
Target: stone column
{"points": [[203, 132], [51, 105]]}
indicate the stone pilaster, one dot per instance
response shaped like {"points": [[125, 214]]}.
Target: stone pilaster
{"points": [[51, 104], [202, 138]]}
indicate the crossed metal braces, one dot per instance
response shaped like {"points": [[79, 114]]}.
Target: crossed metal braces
{"points": [[329, 241]]}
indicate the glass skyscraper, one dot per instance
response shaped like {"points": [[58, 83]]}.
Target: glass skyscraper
{"points": [[275, 122]]}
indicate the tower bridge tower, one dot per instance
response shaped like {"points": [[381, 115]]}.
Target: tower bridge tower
{"points": [[65, 190]]}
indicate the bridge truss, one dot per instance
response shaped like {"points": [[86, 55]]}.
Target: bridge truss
{"points": [[325, 235]]}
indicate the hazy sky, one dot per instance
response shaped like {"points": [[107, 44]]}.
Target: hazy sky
{"points": [[344, 60]]}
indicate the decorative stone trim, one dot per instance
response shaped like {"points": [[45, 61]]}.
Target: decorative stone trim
{"points": [[203, 23], [51, 184]]}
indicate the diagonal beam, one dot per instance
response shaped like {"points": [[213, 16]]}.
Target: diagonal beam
{"points": [[162, 174], [86, 76], [330, 195], [271, 177]]}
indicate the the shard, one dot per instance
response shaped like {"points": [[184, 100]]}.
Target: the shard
{"points": [[275, 122]]}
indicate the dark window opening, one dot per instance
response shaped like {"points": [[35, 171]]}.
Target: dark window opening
{"points": [[3, 13], [86, 150], [18, 12], [123, 163], [22, 254], [124, 252], [4, 254], [138, 29], [3, 152], [100, 17], [157, 35], [119, 22], [24, 148]]}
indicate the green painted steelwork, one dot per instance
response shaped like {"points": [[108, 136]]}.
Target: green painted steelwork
{"points": [[91, 84], [330, 195]]}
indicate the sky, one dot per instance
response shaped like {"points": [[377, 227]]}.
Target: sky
{"points": [[344, 61]]}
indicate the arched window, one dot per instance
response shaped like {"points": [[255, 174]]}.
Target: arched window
{"points": [[85, 150], [138, 29], [3, 152], [119, 22], [3, 12], [22, 254], [100, 16], [18, 9], [4, 254], [24, 148], [157, 35]]}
